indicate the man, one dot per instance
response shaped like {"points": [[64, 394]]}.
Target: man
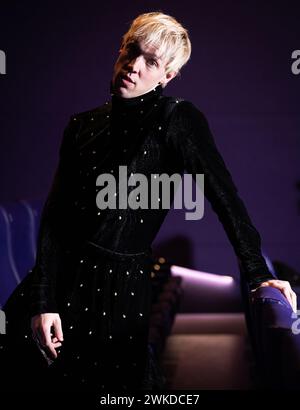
{"points": [[90, 285]]}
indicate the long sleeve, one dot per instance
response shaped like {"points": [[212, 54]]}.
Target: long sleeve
{"points": [[190, 137], [54, 228]]}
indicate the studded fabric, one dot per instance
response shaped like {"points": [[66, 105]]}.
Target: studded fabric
{"points": [[93, 266]]}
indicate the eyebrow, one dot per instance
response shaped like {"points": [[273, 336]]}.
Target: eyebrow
{"points": [[135, 44], [153, 56]]}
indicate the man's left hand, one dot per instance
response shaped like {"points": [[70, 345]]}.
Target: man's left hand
{"points": [[285, 288]]}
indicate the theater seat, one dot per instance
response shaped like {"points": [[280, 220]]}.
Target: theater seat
{"points": [[208, 347], [208, 351], [231, 350]]}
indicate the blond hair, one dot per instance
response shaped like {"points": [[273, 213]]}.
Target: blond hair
{"points": [[164, 33]]}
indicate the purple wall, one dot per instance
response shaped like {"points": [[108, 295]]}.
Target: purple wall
{"points": [[59, 61]]}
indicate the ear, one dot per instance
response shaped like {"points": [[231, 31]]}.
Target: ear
{"points": [[168, 77]]}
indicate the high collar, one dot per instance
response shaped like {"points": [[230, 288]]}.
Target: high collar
{"points": [[122, 103]]}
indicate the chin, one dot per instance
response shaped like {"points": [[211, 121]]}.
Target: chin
{"points": [[125, 93]]}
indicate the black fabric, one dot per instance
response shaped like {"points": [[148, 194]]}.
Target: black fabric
{"points": [[93, 266], [191, 139]]}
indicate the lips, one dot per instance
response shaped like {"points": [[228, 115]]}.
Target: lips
{"points": [[125, 77]]}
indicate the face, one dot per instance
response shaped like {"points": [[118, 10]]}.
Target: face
{"points": [[138, 69]]}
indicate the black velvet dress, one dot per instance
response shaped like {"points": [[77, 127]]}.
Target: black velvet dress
{"points": [[93, 266]]}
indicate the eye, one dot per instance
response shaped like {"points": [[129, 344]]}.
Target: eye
{"points": [[152, 62]]}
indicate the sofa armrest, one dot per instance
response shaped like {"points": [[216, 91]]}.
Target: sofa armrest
{"points": [[276, 341]]}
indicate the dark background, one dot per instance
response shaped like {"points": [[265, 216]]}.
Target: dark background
{"points": [[60, 57]]}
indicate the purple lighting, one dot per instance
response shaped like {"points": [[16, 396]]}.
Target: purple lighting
{"points": [[201, 276]]}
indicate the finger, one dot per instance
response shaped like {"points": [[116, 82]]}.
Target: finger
{"points": [[264, 284], [287, 294], [49, 344], [294, 298], [51, 351], [286, 290], [58, 330], [287, 285]]}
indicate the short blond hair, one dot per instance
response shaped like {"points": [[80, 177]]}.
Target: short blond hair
{"points": [[166, 34]]}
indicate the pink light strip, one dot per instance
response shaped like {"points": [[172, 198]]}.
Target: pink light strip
{"points": [[201, 276]]}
